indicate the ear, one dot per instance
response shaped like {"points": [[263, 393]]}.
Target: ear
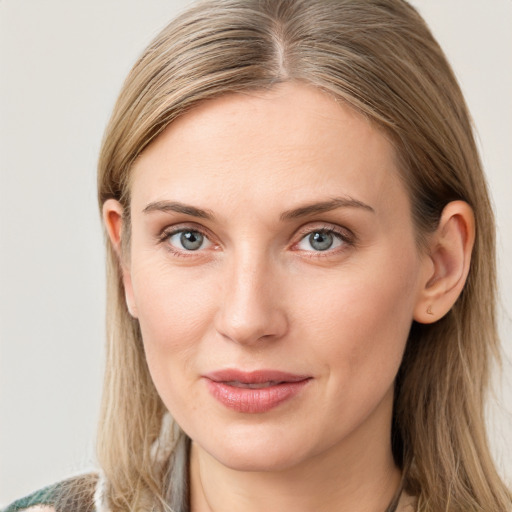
{"points": [[113, 221], [447, 262]]}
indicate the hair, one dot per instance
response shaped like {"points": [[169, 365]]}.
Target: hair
{"points": [[379, 57]]}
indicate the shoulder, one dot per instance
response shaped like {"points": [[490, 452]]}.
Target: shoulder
{"points": [[41, 508], [407, 503], [75, 494], [41, 500]]}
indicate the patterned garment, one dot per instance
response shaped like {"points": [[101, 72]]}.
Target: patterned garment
{"points": [[73, 495]]}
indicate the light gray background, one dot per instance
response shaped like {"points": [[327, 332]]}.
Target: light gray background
{"points": [[62, 63]]}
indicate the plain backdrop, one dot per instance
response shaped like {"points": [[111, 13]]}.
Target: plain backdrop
{"points": [[62, 64]]}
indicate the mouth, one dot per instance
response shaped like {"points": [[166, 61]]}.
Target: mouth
{"points": [[254, 392], [252, 385]]}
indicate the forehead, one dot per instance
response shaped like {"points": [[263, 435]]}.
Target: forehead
{"points": [[281, 146]]}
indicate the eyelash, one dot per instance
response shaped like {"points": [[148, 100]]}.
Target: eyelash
{"points": [[167, 233], [344, 235]]}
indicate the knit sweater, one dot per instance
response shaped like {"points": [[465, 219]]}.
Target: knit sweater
{"points": [[73, 495]]}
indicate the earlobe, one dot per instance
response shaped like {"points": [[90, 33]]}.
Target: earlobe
{"points": [[113, 221], [447, 262]]}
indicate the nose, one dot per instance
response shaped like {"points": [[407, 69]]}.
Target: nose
{"points": [[251, 306]]}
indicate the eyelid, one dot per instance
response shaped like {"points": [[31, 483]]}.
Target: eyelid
{"points": [[346, 235], [164, 235], [184, 226], [173, 238]]}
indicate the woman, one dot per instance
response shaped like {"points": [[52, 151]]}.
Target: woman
{"points": [[301, 271]]}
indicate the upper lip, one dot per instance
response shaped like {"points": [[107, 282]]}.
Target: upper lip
{"points": [[254, 377]]}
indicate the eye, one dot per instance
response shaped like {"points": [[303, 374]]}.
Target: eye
{"points": [[188, 240], [321, 240]]}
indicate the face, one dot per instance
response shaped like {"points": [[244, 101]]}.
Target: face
{"points": [[274, 272]]}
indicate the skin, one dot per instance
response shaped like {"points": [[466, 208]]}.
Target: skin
{"points": [[258, 295]]}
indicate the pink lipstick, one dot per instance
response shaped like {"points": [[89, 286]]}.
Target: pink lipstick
{"points": [[254, 392]]}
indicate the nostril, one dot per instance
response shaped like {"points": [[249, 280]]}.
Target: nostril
{"points": [[249, 306], [252, 327]]}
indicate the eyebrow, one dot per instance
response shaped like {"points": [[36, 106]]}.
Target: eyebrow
{"points": [[302, 211], [325, 206], [173, 206]]}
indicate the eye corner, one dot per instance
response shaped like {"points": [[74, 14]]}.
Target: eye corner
{"points": [[330, 240], [185, 240]]}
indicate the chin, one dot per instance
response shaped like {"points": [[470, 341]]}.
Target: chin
{"points": [[256, 461], [253, 453]]}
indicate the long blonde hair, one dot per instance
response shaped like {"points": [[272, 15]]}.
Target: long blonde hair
{"points": [[379, 57]]}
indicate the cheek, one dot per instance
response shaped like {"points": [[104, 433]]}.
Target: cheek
{"points": [[362, 320], [175, 310], [169, 300], [174, 313]]}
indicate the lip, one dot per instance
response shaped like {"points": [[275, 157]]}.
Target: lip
{"points": [[256, 391]]}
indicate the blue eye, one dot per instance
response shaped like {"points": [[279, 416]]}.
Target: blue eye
{"points": [[188, 240], [320, 240]]}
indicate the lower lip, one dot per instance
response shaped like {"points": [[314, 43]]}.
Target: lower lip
{"points": [[254, 401]]}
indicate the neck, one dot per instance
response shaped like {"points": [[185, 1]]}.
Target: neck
{"points": [[358, 474]]}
